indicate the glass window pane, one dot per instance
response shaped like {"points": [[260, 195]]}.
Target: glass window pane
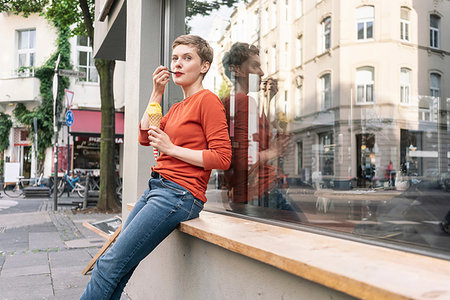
{"points": [[82, 41], [23, 39], [32, 39], [31, 59], [83, 58], [22, 60], [434, 21], [384, 151], [369, 30], [360, 31]]}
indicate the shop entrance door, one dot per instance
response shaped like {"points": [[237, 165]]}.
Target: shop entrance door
{"points": [[365, 159], [26, 164]]}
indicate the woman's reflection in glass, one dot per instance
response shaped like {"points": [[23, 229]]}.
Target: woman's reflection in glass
{"points": [[258, 144]]}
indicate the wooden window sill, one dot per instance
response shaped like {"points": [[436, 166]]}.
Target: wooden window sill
{"points": [[358, 269]]}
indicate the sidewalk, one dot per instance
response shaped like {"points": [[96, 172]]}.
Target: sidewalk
{"points": [[43, 253]]}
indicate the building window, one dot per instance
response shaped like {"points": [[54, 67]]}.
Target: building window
{"points": [[274, 12], [299, 8], [364, 85], [273, 59], [404, 23], [325, 85], [435, 85], [299, 51], [299, 101], [299, 157], [405, 85], [26, 52], [435, 21], [326, 153], [85, 59], [364, 22], [325, 34]]}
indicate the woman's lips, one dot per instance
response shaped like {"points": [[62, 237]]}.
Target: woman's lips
{"points": [[178, 74]]}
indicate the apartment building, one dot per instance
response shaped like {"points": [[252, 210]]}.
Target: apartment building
{"points": [[27, 43], [361, 83]]}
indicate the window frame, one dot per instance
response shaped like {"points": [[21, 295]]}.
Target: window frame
{"points": [[365, 85], [299, 50], [365, 21], [435, 34], [325, 34], [405, 87], [405, 25], [28, 51], [324, 91], [89, 67]]}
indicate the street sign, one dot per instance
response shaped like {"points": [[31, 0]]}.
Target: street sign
{"points": [[69, 97], [69, 118], [71, 73]]}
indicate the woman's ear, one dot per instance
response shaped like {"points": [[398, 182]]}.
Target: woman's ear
{"points": [[205, 67]]}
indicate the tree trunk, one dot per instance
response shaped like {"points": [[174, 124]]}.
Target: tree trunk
{"points": [[107, 197]]}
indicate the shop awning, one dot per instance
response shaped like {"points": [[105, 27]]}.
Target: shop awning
{"points": [[89, 123]]}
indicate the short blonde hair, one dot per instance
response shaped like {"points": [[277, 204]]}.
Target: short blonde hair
{"points": [[204, 50]]}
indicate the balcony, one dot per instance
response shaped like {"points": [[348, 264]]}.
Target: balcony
{"points": [[19, 87]]}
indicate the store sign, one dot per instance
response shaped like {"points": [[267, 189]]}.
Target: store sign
{"points": [[97, 139]]}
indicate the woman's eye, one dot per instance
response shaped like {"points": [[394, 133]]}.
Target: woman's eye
{"points": [[188, 58], [174, 58]]}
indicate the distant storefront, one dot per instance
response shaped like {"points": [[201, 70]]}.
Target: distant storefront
{"points": [[86, 131]]}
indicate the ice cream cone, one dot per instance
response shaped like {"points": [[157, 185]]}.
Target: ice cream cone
{"points": [[154, 116]]}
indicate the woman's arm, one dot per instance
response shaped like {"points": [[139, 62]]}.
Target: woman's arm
{"points": [[161, 77]]}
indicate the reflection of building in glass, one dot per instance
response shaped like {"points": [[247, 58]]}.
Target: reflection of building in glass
{"points": [[359, 92]]}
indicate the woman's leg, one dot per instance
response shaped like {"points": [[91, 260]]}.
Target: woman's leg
{"points": [[167, 205]]}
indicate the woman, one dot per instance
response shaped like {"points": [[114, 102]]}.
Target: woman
{"points": [[193, 139]]}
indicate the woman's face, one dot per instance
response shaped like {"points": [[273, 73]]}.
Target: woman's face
{"points": [[251, 66], [187, 65]]}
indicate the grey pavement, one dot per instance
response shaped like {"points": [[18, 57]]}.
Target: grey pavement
{"points": [[42, 251]]}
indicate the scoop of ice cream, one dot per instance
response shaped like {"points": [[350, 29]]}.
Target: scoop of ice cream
{"points": [[154, 113]]}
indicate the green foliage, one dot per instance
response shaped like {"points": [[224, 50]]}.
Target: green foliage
{"points": [[5, 127], [205, 8], [24, 7], [224, 89], [68, 12], [44, 112]]}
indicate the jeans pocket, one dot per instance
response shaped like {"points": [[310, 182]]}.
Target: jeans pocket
{"points": [[173, 186]]}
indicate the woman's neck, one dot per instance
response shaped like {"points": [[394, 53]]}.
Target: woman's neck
{"points": [[192, 89]]}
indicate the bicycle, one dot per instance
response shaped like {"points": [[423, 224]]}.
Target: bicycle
{"points": [[16, 190], [73, 184]]}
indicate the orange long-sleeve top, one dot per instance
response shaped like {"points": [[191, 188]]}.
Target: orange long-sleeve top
{"points": [[197, 123]]}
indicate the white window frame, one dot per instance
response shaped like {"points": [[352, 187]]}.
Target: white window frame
{"points": [[366, 84], [325, 91], [273, 59], [29, 50], [90, 68], [435, 33], [299, 51], [325, 33], [298, 101], [364, 16], [405, 86], [405, 24], [273, 15]]}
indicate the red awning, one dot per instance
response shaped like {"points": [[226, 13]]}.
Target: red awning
{"points": [[89, 122]]}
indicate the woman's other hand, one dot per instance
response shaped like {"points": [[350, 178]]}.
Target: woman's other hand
{"points": [[160, 140]]}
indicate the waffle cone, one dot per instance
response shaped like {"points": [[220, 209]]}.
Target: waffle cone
{"points": [[154, 119]]}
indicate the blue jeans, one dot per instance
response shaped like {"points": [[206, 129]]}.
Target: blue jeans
{"points": [[157, 213]]}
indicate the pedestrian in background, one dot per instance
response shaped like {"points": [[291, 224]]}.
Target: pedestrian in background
{"points": [[192, 139]]}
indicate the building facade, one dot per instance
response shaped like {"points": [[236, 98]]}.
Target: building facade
{"points": [[28, 43]]}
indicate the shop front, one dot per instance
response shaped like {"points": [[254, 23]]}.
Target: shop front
{"points": [[85, 135]]}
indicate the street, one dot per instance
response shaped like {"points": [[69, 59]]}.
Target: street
{"points": [[43, 252]]}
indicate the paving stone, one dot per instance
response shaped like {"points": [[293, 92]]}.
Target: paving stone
{"points": [[45, 240], [26, 287], [85, 243], [68, 258], [24, 264], [14, 240]]}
